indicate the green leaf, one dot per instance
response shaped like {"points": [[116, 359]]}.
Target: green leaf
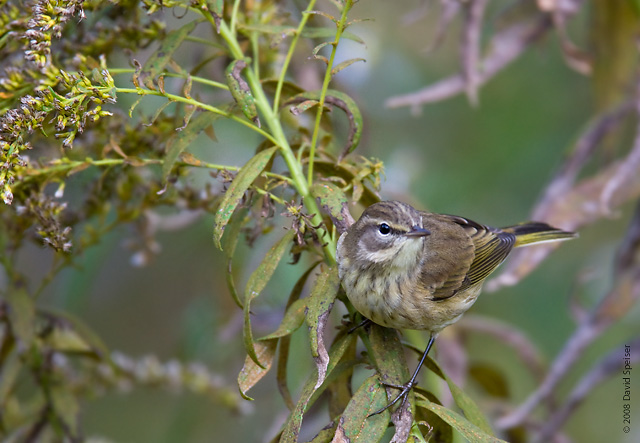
{"points": [[333, 201], [65, 339], [326, 434], [285, 342], [229, 244], [285, 31], [339, 383], [84, 338], [251, 372], [66, 406], [340, 66], [320, 302], [325, 15], [329, 33], [9, 371], [346, 104], [304, 106], [22, 315], [355, 423], [217, 9], [293, 319], [241, 92], [257, 281], [180, 140], [388, 355], [491, 379], [159, 59], [317, 49], [471, 410], [440, 430], [247, 174], [291, 430], [468, 430]]}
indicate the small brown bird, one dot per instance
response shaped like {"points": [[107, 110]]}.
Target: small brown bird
{"points": [[408, 269]]}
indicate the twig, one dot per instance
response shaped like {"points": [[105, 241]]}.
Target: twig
{"points": [[604, 369], [470, 51], [615, 304], [506, 47], [526, 350], [629, 167], [582, 150]]}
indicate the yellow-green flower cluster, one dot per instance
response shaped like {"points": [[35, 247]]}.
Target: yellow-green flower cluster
{"points": [[48, 18], [81, 103]]}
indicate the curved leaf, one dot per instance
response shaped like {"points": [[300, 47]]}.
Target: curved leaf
{"points": [[179, 141], [257, 281], [344, 102], [340, 66], [319, 306], [355, 425], [251, 372], [471, 410], [291, 430], [229, 244], [241, 92], [247, 174], [293, 319], [332, 200], [285, 342], [468, 430], [159, 59]]}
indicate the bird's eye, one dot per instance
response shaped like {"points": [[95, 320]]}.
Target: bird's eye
{"points": [[384, 229]]}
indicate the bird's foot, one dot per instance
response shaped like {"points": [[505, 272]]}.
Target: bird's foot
{"points": [[364, 322], [404, 392]]}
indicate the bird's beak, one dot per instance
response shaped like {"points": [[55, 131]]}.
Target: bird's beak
{"points": [[417, 231]]}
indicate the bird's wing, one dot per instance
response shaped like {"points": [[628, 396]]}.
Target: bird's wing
{"points": [[492, 246], [447, 257]]}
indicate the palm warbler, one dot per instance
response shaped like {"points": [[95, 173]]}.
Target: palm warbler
{"points": [[408, 269]]}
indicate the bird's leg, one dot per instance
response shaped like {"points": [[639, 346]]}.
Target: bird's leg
{"points": [[406, 388], [364, 322]]}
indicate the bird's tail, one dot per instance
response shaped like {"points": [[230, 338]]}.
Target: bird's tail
{"points": [[536, 232]]}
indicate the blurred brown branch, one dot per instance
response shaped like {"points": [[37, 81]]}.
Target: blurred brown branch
{"points": [[608, 366], [613, 306], [506, 46]]}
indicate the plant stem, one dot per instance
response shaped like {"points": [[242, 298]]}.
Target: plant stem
{"points": [[279, 139], [234, 17], [69, 165], [325, 85], [191, 101], [287, 60], [194, 78]]}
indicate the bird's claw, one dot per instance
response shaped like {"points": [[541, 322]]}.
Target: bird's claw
{"points": [[404, 392]]}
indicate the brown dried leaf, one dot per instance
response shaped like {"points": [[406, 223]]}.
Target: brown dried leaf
{"points": [[252, 373]]}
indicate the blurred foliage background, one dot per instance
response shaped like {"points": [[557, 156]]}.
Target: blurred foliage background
{"points": [[489, 162]]}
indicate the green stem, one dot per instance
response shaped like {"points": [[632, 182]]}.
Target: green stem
{"points": [[287, 60], [325, 85], [194, 78], [193, 102], [234, 17], [70, 165], [273, 123]]}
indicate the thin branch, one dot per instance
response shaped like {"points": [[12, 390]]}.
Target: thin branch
{"points": [[613, 306], [611, 364], [506, 47], [470, 51], [582, 151], [510, 335]]}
